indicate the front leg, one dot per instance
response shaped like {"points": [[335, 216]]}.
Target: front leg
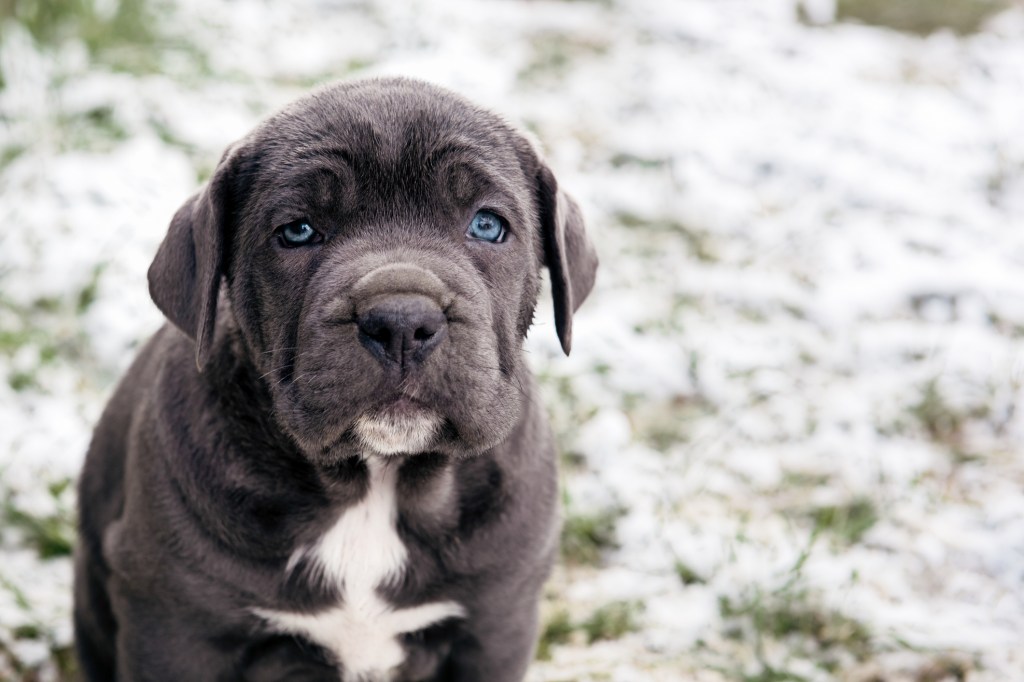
{"points": [[158, 641], [155, 644], [499, 638], [95, 628]]}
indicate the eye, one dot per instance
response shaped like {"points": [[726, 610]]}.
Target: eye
{"points": [[298, 233], [486, 226]]}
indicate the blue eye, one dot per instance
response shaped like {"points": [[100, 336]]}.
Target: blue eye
{"points": [[486, 226], [297, 233]]}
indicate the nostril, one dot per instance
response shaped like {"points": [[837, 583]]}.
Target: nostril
{"points": [[422, 334], [382, 335]]}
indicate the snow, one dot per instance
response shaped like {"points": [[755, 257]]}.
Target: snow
{"points": [[811, 294]]}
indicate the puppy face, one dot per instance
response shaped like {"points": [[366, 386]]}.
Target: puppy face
{"points": [[381, 243]]}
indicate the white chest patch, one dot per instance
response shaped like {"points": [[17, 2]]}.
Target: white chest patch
{"points": [[360, 553]]}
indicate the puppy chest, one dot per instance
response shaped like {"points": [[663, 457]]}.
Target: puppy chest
{"points": [[360, 554]]}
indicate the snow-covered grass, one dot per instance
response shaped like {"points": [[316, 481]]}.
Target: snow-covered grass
{"points": [[792, 423]]}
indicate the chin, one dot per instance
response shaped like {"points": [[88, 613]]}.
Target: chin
{"points": [[401, 428]]}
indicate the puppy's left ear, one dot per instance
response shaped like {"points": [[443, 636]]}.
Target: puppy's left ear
{"points": [[185, 275], [568, 253]]}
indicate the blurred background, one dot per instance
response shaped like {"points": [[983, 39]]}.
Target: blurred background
{"points": [[791, 426]]}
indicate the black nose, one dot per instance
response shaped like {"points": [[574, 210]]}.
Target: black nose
{"points": [[402, 329]]}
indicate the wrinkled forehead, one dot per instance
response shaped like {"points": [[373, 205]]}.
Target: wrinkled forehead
{"points": [[384, 139]]}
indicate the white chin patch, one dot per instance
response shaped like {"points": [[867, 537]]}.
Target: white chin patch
{"points": [[390, 434]]}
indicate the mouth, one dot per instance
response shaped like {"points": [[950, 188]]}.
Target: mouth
{"points": [[402, 426]]}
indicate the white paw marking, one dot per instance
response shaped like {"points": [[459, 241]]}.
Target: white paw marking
{"points": [[361, 552]]}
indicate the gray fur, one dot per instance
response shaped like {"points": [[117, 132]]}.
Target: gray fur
{"points": [[230, 442]]}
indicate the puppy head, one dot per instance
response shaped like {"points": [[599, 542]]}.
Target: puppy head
{"points": [[381, 244]]}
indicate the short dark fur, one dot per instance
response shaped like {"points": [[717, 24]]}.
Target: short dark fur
{"points": [[230, 441]]}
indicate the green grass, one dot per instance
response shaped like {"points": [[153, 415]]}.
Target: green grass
{"points": [[825, 636], [687, 575], [920, 17], [663, 424], [612, 621], [10, 152], [944, 423], [557, 630], [54, 21], [609, 622], [49, 326], [943, 669], [848, 522], [770, 674], [698, 242], [553, 54], [624, 159], [132, 36], [567, 411], [62, 657], [48, 348], [760, 619], [87, 295], [51, 536], [97, 130], [586, 536]]}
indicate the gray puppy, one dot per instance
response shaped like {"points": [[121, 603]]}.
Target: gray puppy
{"points": [[332, 463]]}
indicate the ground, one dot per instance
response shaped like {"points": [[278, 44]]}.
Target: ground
{"points": [[791, 423]]}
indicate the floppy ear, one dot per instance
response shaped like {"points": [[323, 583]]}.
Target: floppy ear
{"points": [[568, 253], [185, 275]]}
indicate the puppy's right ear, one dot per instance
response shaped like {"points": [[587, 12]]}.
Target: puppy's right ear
{"points": [[185, 275]]}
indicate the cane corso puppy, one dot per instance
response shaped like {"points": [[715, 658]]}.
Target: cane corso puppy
{"points": [[331, 464]]}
